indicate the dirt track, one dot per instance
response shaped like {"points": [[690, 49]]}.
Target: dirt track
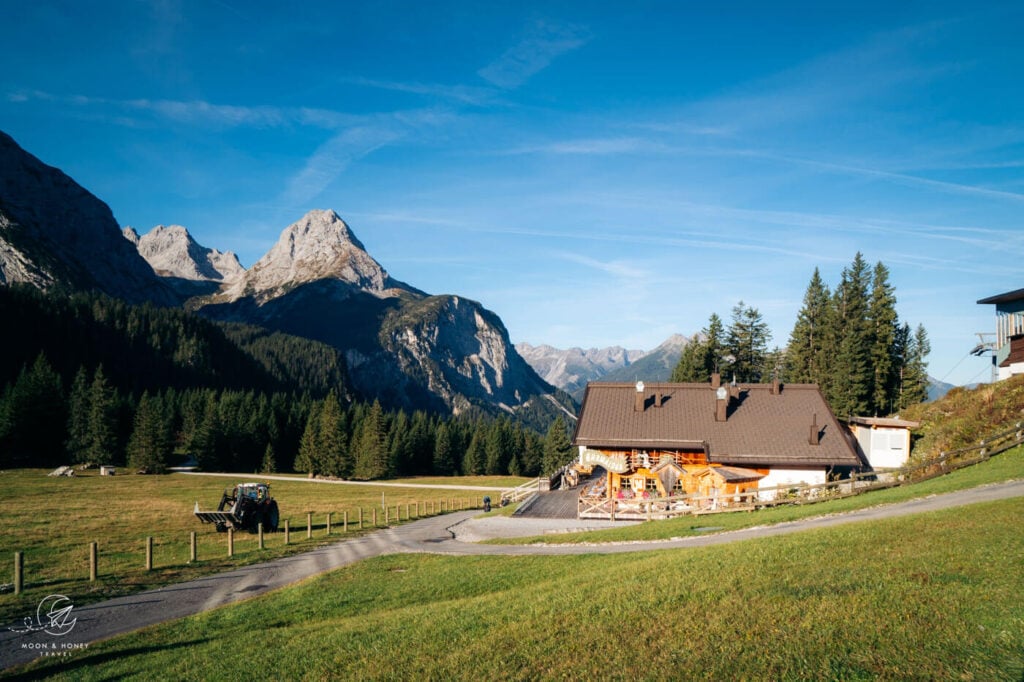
{"points": [[436, 535]]}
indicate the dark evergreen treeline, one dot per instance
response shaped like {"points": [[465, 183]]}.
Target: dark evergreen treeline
{"points": [[151, 348], [44, 424], [86, 378], [849, 341]]}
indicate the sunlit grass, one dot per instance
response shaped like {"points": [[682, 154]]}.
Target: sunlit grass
{"points": [[933, 596], [53, 520]]}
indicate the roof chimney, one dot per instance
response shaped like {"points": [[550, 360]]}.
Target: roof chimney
{"points": [[776, 388], [716, 380], [815, 432], [658, 397], [638, 404], [721, 404]]}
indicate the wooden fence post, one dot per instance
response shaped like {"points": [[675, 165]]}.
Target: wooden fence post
{"points": [[149, 552], [231, 542], [287, 531], [309, 525], [329, 522], [387, 515], [360, 518], [19, 572], [374, 517], [259, 529], [408, 512], [93, 561], [192, 547]]}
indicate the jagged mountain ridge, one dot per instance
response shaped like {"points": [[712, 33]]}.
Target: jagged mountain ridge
{"points": [[54, 232], [572, 368], [404, 347], [441, 353], [172, 252]]}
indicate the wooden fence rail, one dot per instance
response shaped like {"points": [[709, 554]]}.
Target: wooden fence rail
{"points": [[149, 558]]}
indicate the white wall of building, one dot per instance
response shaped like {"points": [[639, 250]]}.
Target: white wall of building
{"points": [[777, 477]]}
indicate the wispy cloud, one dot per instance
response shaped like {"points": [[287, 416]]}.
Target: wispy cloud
{"points": [[333, 157], [617, 269], [201, 112], [533, 54], [464, 94], [597, 146]]}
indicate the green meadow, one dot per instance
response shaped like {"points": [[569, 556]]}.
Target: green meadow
{"points": [[51, 521], [936, 596], [931, 596]]}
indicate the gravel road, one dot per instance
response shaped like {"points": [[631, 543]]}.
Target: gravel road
{"points": [[455, 534]]}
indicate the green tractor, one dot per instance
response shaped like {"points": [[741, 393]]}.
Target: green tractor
{"points": [[247, 506]]}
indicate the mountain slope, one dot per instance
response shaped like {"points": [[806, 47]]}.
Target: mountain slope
{"points": [[573, 368], [53, 232], [403, 347]]}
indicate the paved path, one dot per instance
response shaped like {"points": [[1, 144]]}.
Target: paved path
{"points": [[436, 535]]}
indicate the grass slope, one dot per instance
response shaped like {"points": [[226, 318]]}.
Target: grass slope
{"points": [[53, 520], [937, 596]]}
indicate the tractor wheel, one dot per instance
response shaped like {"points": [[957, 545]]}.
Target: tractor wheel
{"points": [[271, 517]]}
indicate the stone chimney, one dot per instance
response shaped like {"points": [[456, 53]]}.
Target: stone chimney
{"points": [[815, 436], [638, 404]]}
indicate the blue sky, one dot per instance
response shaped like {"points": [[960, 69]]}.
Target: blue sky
{"points": [[596, 173]]}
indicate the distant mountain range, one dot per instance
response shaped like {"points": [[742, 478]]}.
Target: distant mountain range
{"points": [[408, 349], [572, 368]]}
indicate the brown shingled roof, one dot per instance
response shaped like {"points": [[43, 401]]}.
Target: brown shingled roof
{"points": [[762, 428]]}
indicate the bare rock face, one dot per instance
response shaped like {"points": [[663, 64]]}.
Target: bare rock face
{"points": [[172, 252], [404, 347], [53, 231], [317, 247], [570, 369]]}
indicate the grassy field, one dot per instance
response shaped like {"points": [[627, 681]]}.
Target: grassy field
{"points": [[53, 520], [936, 596]]}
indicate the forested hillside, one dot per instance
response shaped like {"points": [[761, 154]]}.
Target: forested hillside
{"points": [[87, 378]]}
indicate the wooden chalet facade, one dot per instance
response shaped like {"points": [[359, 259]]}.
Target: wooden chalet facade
{"points": [[1008, 358], [710, 441]]}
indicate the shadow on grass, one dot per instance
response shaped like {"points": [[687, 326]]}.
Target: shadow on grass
{"points": [[89, 660]]}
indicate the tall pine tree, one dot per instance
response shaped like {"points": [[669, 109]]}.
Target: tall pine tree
{"points": [[747, 342], [808, 352]]}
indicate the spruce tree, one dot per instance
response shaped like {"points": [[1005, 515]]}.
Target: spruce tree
{"points": [[747, 341], [372, 458], [884, 325], [557, 447], [33, 417], [473, 460], [78, 418], [149, 446], [332, 456], [702, 355], [915, 373], [807, 354], [444, 452], [269, 464], [850, 384], [306, 460], [102, 431]]}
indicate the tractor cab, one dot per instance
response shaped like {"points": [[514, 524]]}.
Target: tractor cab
{"points": [[253, 491]]}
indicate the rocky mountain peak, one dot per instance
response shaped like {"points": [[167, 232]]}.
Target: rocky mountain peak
{"points": [[320, 246], [172, 252], [54, 231]]}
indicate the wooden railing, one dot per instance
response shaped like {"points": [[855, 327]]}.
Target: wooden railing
{"points": [[801, 493], [521, 492]]}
